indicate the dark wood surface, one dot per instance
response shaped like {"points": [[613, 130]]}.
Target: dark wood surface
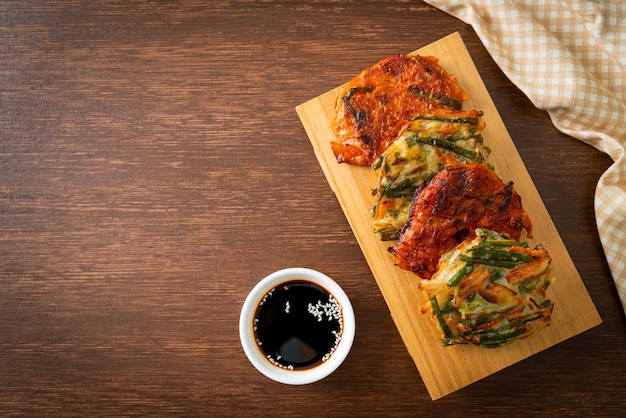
{"points": [[153, 169]]}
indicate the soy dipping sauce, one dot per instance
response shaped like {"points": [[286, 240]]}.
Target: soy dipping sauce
{"points": [[298, 325]]}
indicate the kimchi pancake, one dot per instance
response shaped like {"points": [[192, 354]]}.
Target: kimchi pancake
{"points": [[373, 107], [443, 213]]}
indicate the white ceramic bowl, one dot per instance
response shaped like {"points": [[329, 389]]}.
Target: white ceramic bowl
{"points": [[254, 353]]}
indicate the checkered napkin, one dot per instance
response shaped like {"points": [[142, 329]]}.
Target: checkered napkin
{"points": [[569, 58]]}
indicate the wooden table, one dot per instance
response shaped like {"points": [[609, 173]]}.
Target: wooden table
{"points": [[153, 169]]}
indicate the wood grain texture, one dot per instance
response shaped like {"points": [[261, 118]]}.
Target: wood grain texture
{"points": [[447, 369], [153, 169]]}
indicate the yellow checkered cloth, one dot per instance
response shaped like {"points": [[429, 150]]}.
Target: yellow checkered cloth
{"points": [[569, 58]]}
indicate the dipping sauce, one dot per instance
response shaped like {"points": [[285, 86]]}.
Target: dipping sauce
{"points": [[298, 325]]}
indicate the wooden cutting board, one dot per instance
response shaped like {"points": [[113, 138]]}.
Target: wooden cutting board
{"points": [[447, 369]]}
